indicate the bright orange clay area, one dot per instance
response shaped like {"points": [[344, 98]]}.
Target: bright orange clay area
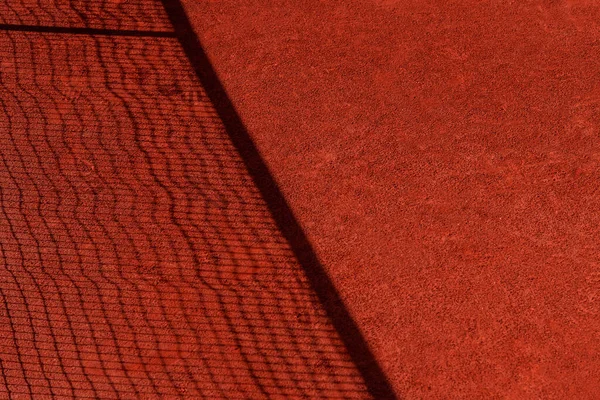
{"points": [[443, 158]]}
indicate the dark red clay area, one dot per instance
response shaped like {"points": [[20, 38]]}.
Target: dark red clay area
{"points": [[442, 158]]}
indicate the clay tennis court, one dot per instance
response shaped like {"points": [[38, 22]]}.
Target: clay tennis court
{"points": [[139, 257], [324, 200]]}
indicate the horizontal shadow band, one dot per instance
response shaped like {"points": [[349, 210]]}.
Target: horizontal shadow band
{"points": [[86, 31]]}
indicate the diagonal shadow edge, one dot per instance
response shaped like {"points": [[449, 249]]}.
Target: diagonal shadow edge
{"points": [[375, 379]]}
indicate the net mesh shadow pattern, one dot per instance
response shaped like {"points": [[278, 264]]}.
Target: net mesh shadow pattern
{"points": [[106, 14], [137, 258]]}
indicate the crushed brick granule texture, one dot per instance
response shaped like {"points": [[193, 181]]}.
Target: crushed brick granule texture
{"points": [[138, 259], [444, 160]]}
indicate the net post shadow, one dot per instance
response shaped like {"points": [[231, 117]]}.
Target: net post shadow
{"points": [[376, 381]]}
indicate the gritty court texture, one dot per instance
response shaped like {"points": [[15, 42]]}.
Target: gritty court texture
{"points": [[138, 258], [337, 199]]}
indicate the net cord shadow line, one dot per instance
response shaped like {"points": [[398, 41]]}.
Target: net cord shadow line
{"points": [[85, 31], [375, 379]]}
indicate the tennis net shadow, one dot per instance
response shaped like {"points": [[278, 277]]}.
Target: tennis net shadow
{"points": [[145, 251]]}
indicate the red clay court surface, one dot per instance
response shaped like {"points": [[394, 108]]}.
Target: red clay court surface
{"points": [[441, 157], [139, 257]]}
